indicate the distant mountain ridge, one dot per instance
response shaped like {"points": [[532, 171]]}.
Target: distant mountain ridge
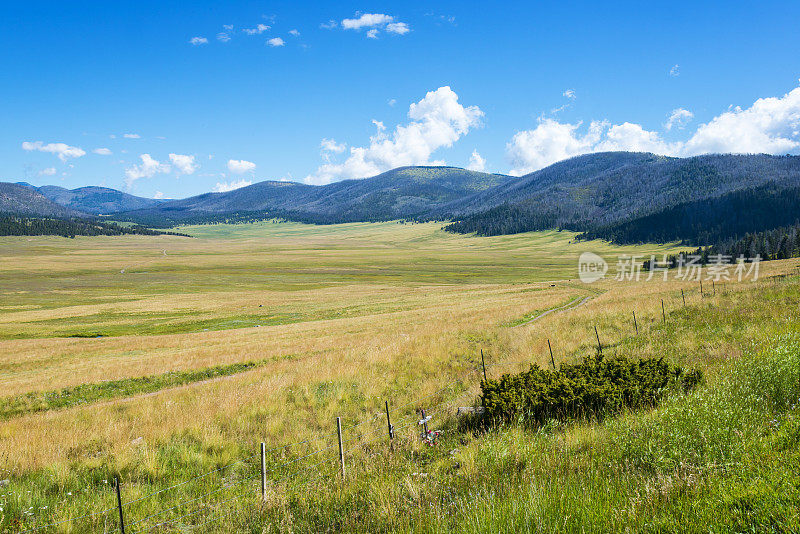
{"points": [[405, 192], [596, 190], [22, 199], [615, 195], [96, 200]]}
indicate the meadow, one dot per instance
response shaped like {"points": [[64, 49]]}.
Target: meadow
{"points": [[159, 359]]}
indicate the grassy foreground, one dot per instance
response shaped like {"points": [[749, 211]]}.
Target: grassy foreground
{"points": [[723, 458]]}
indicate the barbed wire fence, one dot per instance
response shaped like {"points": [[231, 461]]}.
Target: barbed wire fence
{"points": [[309, 463]]}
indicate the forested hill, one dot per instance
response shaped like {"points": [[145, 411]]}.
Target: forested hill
{"points": [[22, 199], [596, 191], [96, 200], [400, 193]]}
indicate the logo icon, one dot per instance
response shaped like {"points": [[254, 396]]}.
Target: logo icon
{"points": [[591, 267]]}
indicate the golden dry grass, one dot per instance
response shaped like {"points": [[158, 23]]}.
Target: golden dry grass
{"points": [[369, 312]]}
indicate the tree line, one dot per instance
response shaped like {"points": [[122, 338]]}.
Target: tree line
{"points": [[30, 226]]}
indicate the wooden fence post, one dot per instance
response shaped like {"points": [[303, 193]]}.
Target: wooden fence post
{"points": [[341, 449], [635, 324], [552, 360], [389, 423], [684, 298], [119, 505], [663, 313], [713, 288], [701, 289], [599, 346], [263, 471]]}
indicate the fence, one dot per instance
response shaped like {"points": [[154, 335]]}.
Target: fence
{"points": [[306, 463]]}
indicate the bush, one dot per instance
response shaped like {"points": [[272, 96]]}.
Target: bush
{"points": [[593, 387]]}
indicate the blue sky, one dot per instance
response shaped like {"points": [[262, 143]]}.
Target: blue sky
{"points": [[322, 92]]}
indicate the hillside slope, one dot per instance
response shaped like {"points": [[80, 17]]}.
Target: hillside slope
{"points": [[596, 190], [24, 200], [399, 193], [96, 200]]}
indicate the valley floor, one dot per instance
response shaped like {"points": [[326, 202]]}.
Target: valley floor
{"points": [[162, 359]]}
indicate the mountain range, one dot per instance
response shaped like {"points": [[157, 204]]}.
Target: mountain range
{"points": [[615, 195]]}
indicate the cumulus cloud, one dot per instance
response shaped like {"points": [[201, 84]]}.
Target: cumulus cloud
{"points": [[770, 125], [183, 164], [102, 151], [223, 187], [476, 162], [678, 118], [400, 28], [198, 41], [147, 169], [675, 71], [367, 20], [330, 146], [294, 33], [240, 166], [62, 150], [50, 171], [569, 93], [258, 30], [373, 23], [132, 136], [276, 41], [436, 121]]}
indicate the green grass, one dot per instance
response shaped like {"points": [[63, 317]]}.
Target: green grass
{"points": [[723, 458], [90, 393]]}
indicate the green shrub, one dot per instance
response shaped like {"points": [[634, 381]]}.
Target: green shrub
{"points": [[593, 387]]}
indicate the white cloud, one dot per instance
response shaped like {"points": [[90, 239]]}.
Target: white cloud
{"points": [[367, 20], [675, 71], [437, 121], [223, 187], [330, 145], [183, 163], [147, 169], [240, 166], [132, 136], [102, 151], [400, 28], [476, 162], [569, 93], [223, 37], [62, 150], [331, 24], [770, 125], [679, 118], [392, 102], [294, 33], [258, 30], [373, 23], [158, 195], [50, 171], [228, 27], [276, 41], [198, 41]]}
